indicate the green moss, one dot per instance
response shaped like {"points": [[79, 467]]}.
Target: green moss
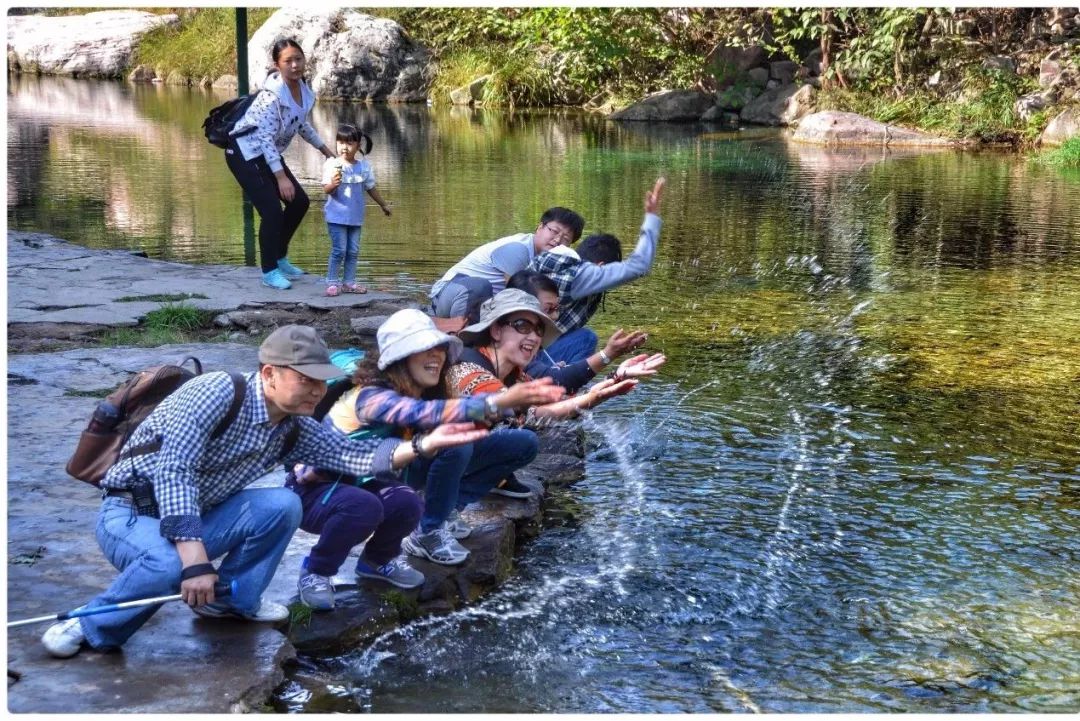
{"points": [[299, 614], [406, 607]]}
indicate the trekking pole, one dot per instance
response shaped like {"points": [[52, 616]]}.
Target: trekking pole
{"points": [[220, 590]]}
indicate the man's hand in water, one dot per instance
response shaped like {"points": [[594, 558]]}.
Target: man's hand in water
{"points": [[652, 198]]}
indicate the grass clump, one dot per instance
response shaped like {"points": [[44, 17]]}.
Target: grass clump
{"points": [[1065, 156], [176, 317], [299, 614], [406, 607], [202, 44]]}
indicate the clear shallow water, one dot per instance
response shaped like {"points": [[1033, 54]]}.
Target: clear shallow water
{"points": [[856, 486]]}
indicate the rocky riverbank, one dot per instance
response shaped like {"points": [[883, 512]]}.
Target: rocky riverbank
{"points": [[178, 662]]}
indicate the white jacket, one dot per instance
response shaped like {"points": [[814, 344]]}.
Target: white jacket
{"points": [[276, 118]]}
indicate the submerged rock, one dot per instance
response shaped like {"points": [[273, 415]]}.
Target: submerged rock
{"points": [[95, 45]]}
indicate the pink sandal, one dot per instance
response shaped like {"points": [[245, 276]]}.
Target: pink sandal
{"points": [[355, 288], [332, 291]]}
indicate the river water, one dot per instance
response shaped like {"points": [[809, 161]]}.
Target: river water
{"points": [[855, 487]]}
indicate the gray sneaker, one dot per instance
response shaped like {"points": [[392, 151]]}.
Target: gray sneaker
{"points": [[267, 612], [437, 546], [316, 592], [397, 571], [457, 527]]}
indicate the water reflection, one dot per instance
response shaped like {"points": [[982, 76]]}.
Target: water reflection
{"points": [[854, 487]]}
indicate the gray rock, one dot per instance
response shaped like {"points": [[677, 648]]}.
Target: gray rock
{"points": [[758, 76], [226, 82], [779, 106], [1000, 62], [1064, 126], [712, 115], [368, 324], [98, 44], [349, 54], [812, 62], [667, 106], [835, 128], [739, 59], [470, 93], [784, 71], [1032, 103], [1049, 71], [141, 74]]}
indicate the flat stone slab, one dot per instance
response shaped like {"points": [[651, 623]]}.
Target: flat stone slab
{"points": [[92, 281]]}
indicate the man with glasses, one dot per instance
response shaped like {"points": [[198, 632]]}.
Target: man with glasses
{"points": [[483, 272], [168, 512], [585, 273]]}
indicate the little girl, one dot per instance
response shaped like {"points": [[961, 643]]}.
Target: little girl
{"points": [[343, 178]]}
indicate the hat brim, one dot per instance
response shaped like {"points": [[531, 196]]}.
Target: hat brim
{"points": [[551, 331], [418, 343], [319, 371]]}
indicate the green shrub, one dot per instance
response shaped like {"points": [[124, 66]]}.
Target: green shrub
{"points": [[1065, 156], [177, 317]]}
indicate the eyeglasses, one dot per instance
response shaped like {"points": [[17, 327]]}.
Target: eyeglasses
{"points": [[524, 326], [564, 236]]}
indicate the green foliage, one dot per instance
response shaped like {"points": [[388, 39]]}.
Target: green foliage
{"points": [[299, 614], [203, 44], [177, 317], [1065, 156]]}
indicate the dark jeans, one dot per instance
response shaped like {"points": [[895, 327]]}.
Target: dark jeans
{"points": [[278, 224], [345, 515], [457, 476]]}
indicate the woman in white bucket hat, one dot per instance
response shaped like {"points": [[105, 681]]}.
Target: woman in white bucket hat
{"points": [[403, 395], [511, 330]]}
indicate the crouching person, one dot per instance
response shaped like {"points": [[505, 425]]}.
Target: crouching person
{"points": [[404, 395], [203, 510]]}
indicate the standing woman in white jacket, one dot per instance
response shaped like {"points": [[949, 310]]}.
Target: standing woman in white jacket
{"points": [[254, 156]]}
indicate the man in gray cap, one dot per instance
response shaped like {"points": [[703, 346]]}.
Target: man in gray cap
{"points": [[168, 512]]}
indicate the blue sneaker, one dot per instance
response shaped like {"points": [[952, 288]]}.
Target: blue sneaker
{"points": [[276, 279], [397, 572], [288, 269]]}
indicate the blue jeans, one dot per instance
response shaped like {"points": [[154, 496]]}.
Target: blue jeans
{"points": [[344, 250], [457, 476], [569, 348], [251, 529]]}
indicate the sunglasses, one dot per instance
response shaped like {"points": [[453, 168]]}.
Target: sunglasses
{"points": [[525, 327]]}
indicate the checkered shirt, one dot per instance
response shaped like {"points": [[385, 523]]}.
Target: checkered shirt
{"points": [[192, 473]]}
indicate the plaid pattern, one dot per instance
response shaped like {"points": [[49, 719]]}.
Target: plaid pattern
{"points": [[562, 269], [192, 473]]}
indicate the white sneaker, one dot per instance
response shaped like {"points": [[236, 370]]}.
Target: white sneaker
{"points": [[437, 546], [268, 612], [64, 639]]}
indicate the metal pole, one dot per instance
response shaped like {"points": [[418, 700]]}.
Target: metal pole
{"points": [[242, 89]]}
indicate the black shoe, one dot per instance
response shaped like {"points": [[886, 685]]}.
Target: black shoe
{"points": [[512, 488]]}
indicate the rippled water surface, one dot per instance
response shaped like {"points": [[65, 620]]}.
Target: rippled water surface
{"points": [[856, 485]]}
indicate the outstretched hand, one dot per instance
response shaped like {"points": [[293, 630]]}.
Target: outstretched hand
{"points": [[449, 435], [652, 198], [640, 365], [607, 389], [532, 393], [621, 342]]}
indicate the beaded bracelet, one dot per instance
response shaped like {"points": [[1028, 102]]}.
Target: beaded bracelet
{"points": [[417, 445]]}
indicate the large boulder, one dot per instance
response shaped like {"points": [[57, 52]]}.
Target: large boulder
{"points": [[350, 55], [779, 106], [95, 45], [1066, 125], [667, 105], [836, 128]]}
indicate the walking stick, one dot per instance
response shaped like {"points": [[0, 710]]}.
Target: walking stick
{"points": [[220, 590]]}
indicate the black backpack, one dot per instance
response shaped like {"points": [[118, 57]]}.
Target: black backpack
{"points": [[221, 120]]}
